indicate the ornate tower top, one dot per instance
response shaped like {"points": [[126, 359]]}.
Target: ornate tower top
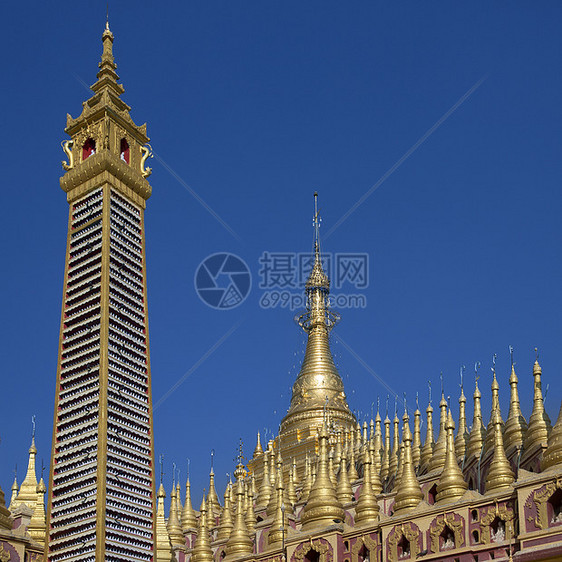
{"points": [[105, 142], [318, 382]]}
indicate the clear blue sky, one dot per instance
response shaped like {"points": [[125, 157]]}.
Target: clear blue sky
{"points": [[255, 105]]}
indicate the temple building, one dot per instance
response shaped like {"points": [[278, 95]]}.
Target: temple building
{"points": [[327, 488]]}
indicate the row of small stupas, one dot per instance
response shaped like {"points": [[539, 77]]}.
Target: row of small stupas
{"points": [[329, 489]]}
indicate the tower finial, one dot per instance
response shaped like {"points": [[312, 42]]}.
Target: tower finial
{"points": [[316, 226], [536, 354], [463, 368], [212, 458], [429, 389], [161, 461], [493, 367], [188, 463], [33, 427], [442, 388], [511, 356], [476, 367]]}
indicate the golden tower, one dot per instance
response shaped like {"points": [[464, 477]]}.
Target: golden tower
{"points": [[101, 485], [318, 383]]}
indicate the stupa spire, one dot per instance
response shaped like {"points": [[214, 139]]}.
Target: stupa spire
{"points": [[427, 449], [202, 551], [258, 450], [385, 463], [28, 490], [188, 519], [462, 432], [367, 508], [38, 523], [500, 475], [539, 422], [393, 465], [440, 450], [553, 454], [515, 425], [318, 378], [239, 544], [490, 430], [344, 491], [323, 506], [409, 493], [163, 545], [451, 485], [174, 526], [225, 523], [416, 443], [477, 432]]}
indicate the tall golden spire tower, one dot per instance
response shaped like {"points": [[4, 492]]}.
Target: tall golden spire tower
{"points": [[101, 485], [318, 380]]}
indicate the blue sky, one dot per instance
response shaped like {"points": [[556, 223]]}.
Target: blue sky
{"points": [[254, 106]]}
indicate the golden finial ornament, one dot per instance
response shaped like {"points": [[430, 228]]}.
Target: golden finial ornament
{"points": [[225, 523], [367, 508], [553, 454], [239, 543], [258, 450], [385, 464], [515, 425], [174, 526], [38, 523], [440, 450], [13, 498], [400, 466], [352, 471], [377, 442], [28, 490], [344, 491], [331, 469], [213, 504], [250, 514], [477, 432], [264, 493], [291, 491], [451, 485], [539, 422], [338, 451], [202, 551], [409, 494], [163, 545], [318, 378], [307, 481], [323, 507], [461, 439], [278, 528], [416, 442], [500, 476], [188, 519], [427, 449], [272, 503], [490, 429], [393, 464]]}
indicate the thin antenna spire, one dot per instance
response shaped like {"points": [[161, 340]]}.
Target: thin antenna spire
{"points": [[387, 399], [33, 427], [404, 402], [417, 400], [316, 225], [173, 474], [107, 16], [240, 451], [462, 377], [429, 389], [536, 353], [188, 463], [212, 458], [511, 356], [161, 461], [493, 367], [442, 389]]}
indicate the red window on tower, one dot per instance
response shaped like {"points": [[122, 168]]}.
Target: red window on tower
{"points": [[88, 149], [124, 152]]}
